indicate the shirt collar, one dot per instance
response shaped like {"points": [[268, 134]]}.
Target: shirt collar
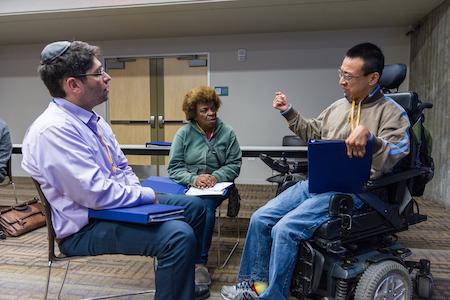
{"points": [[87, 117]]}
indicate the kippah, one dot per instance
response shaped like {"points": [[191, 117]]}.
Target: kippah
{"points": [[53, 51]]}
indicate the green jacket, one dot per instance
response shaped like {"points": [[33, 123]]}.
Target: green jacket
{"points": [[190, 155]]}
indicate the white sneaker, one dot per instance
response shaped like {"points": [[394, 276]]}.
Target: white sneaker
{"points": [[240, 291]]}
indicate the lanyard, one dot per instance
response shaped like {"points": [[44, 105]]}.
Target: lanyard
{"points": [[100, 136], [358, 117], [108, 153]]}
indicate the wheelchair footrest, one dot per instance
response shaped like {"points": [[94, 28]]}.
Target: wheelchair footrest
{"points": [[308, 270]]}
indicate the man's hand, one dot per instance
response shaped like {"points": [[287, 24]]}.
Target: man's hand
{"points": [[205, 181], [356, 142], [280, 101]]}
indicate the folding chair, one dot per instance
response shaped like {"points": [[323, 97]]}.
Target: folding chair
{"points": [[221, 265], [53, 257]]}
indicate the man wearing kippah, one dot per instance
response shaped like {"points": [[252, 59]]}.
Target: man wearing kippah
{"points": [[73, 154]]}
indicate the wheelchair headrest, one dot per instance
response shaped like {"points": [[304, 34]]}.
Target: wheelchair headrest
{"points": [[393, 75], [408, 100]]}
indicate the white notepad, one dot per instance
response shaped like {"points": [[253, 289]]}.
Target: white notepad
{"points": [[220, 189]]}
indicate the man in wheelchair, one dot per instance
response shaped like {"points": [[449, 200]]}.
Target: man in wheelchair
{"points": [[289, 221]]}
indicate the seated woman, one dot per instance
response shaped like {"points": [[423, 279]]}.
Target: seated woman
{"points": [[193, 162]]}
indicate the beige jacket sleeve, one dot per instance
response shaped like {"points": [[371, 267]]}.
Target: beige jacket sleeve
{"points": [[393, 140], [304, 128]]}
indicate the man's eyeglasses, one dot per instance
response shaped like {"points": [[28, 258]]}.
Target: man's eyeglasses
{"points": [[53, 51], [346, 76], [100, 72]]}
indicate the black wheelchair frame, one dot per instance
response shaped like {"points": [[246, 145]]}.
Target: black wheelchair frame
{"points": [[356, 255]]}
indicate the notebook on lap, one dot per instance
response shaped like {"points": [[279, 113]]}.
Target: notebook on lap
{"points": [[143, 214], [164, 185], [330, 169]]}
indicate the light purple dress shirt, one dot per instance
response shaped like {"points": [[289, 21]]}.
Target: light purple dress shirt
{"points": [[64, 152]]}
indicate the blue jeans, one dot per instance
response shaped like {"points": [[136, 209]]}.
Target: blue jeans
{"points": [[174, 243], [211, 203], [274, 235]]}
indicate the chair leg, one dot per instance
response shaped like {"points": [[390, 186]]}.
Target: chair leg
{"points": [[221, 265], [155, 263], [121, 295], [93, 298], [49, 270], [14, 190], [219, 235], [236, 244], [63, 281]]}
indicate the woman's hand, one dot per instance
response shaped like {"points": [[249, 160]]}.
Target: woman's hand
{"points": [[205, 181]]}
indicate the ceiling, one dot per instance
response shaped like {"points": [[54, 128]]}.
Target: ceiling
{"points": [[195, 18]]}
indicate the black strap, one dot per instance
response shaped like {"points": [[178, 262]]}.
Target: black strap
{"points": [[211, 148], [389, 212]]}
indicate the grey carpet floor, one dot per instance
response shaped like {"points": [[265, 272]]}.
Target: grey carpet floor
{"points": [[23, 260]]}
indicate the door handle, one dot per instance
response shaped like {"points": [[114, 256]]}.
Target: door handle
{"points": [[152, 121], [162, 121]]}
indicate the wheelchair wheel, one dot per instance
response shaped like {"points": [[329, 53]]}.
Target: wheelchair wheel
{"points": [[424, 286], [384, 280]]}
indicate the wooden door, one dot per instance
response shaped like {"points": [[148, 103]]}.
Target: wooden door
{"points": [[145, 99], [129, 104], [179, 78]]}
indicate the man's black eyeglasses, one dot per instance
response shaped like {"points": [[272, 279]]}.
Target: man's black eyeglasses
{"points": [[100, 72], [53, 51]]}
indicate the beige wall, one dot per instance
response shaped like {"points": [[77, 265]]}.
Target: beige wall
{"points": [[430, 78]]}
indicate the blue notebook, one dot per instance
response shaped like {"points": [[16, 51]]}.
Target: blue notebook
{"points": [[330, 169], [142, 214], [158, 144], [164, 185]]}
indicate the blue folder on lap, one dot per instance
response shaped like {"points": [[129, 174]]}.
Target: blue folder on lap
{"points": [[164, 185], [331, 170], [142, 214]]}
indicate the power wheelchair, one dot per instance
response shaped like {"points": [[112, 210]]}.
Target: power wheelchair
{"points": [[356, 255]]}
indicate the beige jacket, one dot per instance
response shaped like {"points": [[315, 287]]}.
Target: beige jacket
{"points": [[385, 119]]}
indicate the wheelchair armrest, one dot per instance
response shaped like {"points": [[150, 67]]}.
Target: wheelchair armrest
{"points": [[277, 165], [340, 204], [389, 179], [300, 167]]}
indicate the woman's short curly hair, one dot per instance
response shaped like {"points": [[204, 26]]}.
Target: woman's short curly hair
{"points": [[201, 94]]}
